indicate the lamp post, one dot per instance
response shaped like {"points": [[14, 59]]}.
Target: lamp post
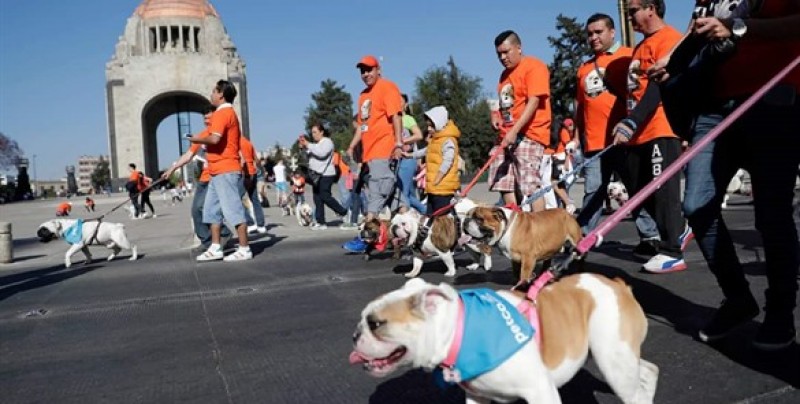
{"points": [[35, 183]]}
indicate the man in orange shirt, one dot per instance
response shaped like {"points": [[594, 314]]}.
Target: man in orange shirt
{"points": [[134, 184], [649, 142], [380, 132], [600, 101], [765, 142], [523, 122], [223, 198]]}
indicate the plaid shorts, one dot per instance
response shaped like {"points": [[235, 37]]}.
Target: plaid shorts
{"points": [[518, 169]]}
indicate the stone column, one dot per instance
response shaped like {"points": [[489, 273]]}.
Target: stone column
{"points": [[6, 243], [158, 39]]}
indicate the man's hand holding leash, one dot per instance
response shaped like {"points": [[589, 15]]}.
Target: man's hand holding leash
{"points": [[623, 131]]}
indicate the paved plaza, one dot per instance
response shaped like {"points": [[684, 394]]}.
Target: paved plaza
{"points": [[277, 329]]}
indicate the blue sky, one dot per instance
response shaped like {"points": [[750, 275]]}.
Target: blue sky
{"points": [[53, 55]]}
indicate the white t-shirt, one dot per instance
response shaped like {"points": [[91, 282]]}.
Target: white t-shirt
{"points": [[280, 172]]}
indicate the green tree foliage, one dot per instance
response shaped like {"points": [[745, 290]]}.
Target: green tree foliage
{"points": [[461, 94], [101, 176], [333, 107], [570, 50], [9, 152]]}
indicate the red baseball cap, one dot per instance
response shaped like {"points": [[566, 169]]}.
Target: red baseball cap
{"points": [[368, 61]]}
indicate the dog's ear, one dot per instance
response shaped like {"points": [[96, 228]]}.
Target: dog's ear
{"points": [[428, 300], [499, 214]]}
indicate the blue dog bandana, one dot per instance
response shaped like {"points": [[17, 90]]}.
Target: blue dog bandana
{"points": [[74, 233], [493, 331]]}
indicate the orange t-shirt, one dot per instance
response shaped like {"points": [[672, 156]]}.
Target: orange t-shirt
{"points": [[529, 79], [249, 154], [645, 55], [195, 148], [135, 176], [563, 138], [377, 105], [754, 62], [63, 207], [600, 108], [344, 169], [223, 157]]}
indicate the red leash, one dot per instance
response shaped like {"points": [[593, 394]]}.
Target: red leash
{"points": [[596, 237]]}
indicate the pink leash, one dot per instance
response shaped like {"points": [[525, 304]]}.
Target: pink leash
{"points": [[596, 237]]}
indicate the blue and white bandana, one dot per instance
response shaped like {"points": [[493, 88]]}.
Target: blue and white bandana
{"points": [[74, 233], [493, 331]]}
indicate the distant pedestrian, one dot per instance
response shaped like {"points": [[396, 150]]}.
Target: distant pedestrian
{"points": [[323, 173], [63, 209], [89, 204]]}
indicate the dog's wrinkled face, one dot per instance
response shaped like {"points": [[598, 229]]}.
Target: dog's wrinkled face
{"points": [[305, 212], [617, 192], [371, 231], [48, 231], [399, 328], [404, 226], [485, 223]]}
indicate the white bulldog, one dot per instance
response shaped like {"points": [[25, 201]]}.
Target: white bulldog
{"points": [[111, 235], [422, 325], [441, 239], [617, 192], [737, 185], [304, 214]]}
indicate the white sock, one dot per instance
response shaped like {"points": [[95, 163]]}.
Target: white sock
{"points": [[244, 248], [214, 247]]}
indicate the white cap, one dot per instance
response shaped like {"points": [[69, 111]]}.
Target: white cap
{"points": [[437, 115]]}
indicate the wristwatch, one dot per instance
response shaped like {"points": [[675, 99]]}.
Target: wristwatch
{"points": [[738, 28]]}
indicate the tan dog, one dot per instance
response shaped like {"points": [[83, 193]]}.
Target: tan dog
{"points": [[523, 237], [417, 325]]}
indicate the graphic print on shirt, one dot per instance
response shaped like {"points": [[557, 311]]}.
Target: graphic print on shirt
{"points": [[634, 72], [365, 107], [593, 82], [656, 159], [506, 102]]}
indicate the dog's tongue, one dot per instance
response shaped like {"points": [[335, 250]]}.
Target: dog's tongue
{"points": [[356, 358]]}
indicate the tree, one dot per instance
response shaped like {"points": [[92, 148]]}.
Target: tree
{"points": [[332, 107], [461, 94], [9, 152], [571, 49], [101, 176]]}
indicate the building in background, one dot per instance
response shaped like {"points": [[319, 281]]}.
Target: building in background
{"points": [[86, 166]]}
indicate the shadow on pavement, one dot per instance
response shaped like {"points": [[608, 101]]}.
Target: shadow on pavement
{"points": [[29, 280], [29, 257]]}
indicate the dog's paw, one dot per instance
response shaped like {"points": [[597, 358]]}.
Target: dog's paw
{"points": [[450, 274], [410, 275], [111, 257], [67, 264], [473, 267], [87, 262]]}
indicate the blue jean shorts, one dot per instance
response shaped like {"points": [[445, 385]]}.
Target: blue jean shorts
{"points": [[223, 199]]}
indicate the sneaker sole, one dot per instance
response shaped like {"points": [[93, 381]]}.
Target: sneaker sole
{"points": [[677, 268], [686, 241]]}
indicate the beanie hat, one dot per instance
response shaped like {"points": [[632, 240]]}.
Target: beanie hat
{"points": [[437, 115]]}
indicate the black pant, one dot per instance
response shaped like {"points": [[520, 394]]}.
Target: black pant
{"points": [[146, 202], [436, 202], [322, 197], [134, 196], [645, 162]]}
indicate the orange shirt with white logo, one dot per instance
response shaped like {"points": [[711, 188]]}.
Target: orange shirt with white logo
{"points": [[376, 107], [645, 55], [223, 157], [754, 62], [600, 108], [529, 79], [249, 154]]}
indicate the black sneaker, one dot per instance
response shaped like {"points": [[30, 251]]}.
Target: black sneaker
{"points": [[730, 316], [777, 332], [647, 248]]}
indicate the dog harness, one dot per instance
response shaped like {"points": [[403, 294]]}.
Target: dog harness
{"points": [[477, 346], [74, 233]]}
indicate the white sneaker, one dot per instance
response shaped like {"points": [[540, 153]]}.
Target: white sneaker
{"points": [[261, 230], [210, 255], [252, 228], [239, 255], [317, 226], [662, 264]]}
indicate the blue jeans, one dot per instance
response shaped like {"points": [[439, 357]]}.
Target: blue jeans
{"points": [[405, 178], [765, 142], [597, 175], [201, 229], [257, 209]]}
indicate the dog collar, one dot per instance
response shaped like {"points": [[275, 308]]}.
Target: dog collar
{"points": [[528, 305], [452, 354]]}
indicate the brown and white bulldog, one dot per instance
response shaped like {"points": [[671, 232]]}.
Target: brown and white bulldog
{"points": [[418, 326], [523, 237], [443, 236]]}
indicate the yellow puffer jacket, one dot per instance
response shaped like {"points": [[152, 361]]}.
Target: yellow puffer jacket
{"points": [[433, 160]]}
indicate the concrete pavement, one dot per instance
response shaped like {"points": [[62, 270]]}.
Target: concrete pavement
{"points": [[277, 329]]}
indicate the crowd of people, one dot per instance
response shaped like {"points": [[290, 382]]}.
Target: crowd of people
{"points": [[624, 115]]}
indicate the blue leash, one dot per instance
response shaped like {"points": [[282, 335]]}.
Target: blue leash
{"points": [[540, 193]]}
